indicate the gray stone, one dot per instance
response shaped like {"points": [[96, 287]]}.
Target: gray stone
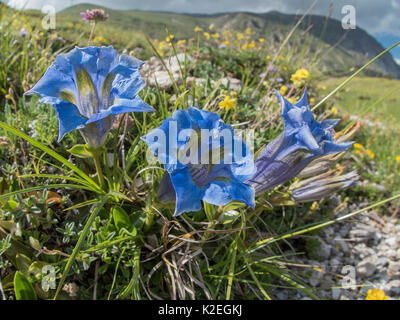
{"points": [[391, 242], [365, 268], [324, 250], [233, 83], [394, 269], [391, 254], [199, 81], [363, 251], [362, 234], [174, 61], [282, 295], [163, 79], [382, 262], [393, 288]]}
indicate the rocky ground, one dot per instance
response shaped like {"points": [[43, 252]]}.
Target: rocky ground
{"points": [[353, 257], [155, 73]]}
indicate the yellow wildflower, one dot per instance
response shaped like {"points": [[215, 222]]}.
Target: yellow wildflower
{"points": [[370, 153], [279, 57], [99, 40], [207, 35], [312, 100], [211, 26], [248, 31], [283, 90], [314, 206], [252, 45], [300, 74], [261, 40], [268, 57], [245, 46], [226, 42], [376, 294], [234, 93], [358, 146], [169, 38], [334, 111], [215, 35], [198, 29], [398, 158], [228, 103], [240, 35], [181, 43]]}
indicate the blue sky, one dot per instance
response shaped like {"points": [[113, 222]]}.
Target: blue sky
{"points": [[380, 18]]}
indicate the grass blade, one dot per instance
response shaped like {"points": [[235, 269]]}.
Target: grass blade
{"points": [[79, 244]]}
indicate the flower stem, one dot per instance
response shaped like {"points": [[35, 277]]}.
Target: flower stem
{"points": [[92, 33], [97, 163]]}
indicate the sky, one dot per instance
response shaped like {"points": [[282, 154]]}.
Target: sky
{"points": [[379, 18]]}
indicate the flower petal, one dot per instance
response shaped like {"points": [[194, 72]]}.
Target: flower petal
{"points": [[220, 193], [68, 116], [122, 106], [58, 80], [127, 79], [188, 195]]}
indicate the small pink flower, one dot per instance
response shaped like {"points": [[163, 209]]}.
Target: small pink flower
{"points": [[95, 15]]}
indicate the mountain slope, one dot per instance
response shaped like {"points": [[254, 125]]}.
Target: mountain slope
{"points": [[340, 49]]}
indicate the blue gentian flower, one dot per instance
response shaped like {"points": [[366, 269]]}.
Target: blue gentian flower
{"points": [[303, 140], [87, 87], [205, 173], [316, 188]]}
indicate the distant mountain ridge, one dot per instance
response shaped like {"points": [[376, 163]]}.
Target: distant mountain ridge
{"points": [[346, 45]]}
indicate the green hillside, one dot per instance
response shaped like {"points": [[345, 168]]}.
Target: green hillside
{"points": [[339, 51]]}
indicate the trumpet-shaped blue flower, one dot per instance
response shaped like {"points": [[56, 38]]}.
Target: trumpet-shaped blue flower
{"points": [[87, 87], [303, 140], [203, 159]]}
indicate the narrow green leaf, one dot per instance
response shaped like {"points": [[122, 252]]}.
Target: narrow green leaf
{"points": [[79, 244], [50, 152], [55, 176], [50, 186]]}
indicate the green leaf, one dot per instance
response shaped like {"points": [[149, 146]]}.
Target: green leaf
{"points": [[11, 205], [54, 176], [52, 153], [23, 263], [228, 216], [50, 186], [119, 196], [234, 205], [209, 209], [121, 219], [35, 244], [23, 288], [80, 151]]}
